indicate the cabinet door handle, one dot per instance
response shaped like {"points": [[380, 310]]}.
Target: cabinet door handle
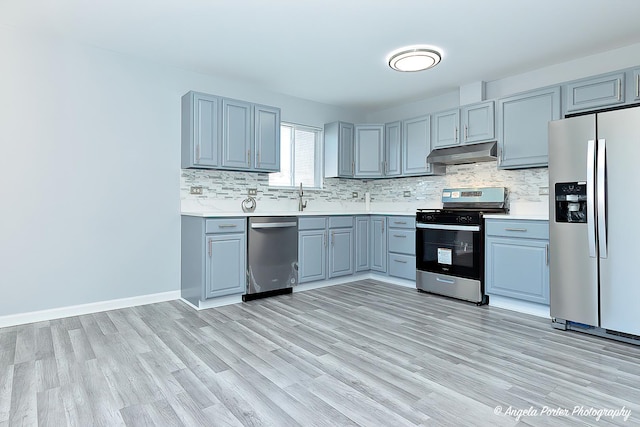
{"points": [[210, 249], [400, 236], [198, 153], [455, 135], [515, 229], [249, 157], [324, 239], [400, 261], [638, 85], [258, 161], [619, 89], [353, 168], [333, 237], [382, 166], [227, 226], [466, 132], [546, 254], [382, 232], [400, 222]]}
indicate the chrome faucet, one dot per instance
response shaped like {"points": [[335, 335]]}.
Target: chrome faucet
{"points": [[301, 204]]}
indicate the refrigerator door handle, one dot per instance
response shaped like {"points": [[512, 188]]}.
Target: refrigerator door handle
{"points": [[591, 223], [602, 198]]}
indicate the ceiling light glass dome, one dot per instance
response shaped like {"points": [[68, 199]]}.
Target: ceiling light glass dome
{"points": [[414, 58]]}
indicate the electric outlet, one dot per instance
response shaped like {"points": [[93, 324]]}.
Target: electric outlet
{"points": [[543, 191], [196, 190], [252, 192], [406, 194], [354, 195]]}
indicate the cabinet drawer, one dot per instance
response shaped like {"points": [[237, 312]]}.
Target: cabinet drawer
{"points": [[403, 266], [340, 221], [402, 222], [528, 229], [225, 225], [402, 241], [312, 223]]}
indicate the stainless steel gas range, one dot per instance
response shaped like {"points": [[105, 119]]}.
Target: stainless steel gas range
{"points": [[450, 242]]}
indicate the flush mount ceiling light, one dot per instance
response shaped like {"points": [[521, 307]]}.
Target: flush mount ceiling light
{"points": [[414, 58]]}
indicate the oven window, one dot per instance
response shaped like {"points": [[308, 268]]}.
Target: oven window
{"points": [[452, 252]]}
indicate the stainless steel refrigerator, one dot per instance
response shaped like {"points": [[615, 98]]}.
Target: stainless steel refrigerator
{"points": [[594, 189]]}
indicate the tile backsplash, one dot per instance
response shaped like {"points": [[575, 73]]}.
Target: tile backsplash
{"points": [[224, 186]]}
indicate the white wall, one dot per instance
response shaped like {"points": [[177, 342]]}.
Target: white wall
{"points": [[90, 170]]}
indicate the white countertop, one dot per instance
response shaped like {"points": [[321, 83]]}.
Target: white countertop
{"points": [[295, 213], [226, 209]]}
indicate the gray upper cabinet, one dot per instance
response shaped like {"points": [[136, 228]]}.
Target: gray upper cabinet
{"points": [[602, 91], [522, 127], [636, 84], [369, 151], [446, 129], [478, 122], [221, 133], [416, 146], [393, 149], [267, 138], [201, 132], [338, 150], [236, 134], [469, 124]]}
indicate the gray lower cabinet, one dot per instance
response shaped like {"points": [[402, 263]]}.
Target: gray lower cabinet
{"points": [[222, 133], [517, 259], [523, 121], [226, 265], [378, 244], [213, 253], [325, 247], [363, 238], [340, 246], [402, 247], [595, 92], [312, 255]]}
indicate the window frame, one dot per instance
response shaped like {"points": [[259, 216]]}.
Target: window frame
{"points": [[318, 157]]}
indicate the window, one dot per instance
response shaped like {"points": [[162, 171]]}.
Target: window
{"points": [[299, 157]]}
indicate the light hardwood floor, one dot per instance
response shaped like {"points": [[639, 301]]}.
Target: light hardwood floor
{"points": [[365, 353]]}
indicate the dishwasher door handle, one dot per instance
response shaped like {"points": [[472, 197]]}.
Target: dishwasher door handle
{"points": [[274, 225]]}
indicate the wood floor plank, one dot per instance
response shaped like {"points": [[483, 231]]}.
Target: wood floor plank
{"points": [[364, 353]]}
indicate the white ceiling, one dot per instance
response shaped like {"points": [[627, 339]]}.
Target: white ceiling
{"points": [[333, 51]]}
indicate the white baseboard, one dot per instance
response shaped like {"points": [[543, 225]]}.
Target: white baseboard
{"points": [[526, 307], [77, 310]]}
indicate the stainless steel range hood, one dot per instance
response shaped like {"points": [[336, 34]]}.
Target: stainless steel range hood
{"points": [[473, 153]]}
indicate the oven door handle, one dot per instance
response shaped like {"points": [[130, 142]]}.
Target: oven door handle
{"points": [[449, 227]]}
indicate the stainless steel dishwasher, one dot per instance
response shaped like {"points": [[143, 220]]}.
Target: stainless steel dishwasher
{"points": [[272, 267]]}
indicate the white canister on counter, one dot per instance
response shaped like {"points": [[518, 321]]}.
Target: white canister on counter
{"points": [[367, 201]]}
